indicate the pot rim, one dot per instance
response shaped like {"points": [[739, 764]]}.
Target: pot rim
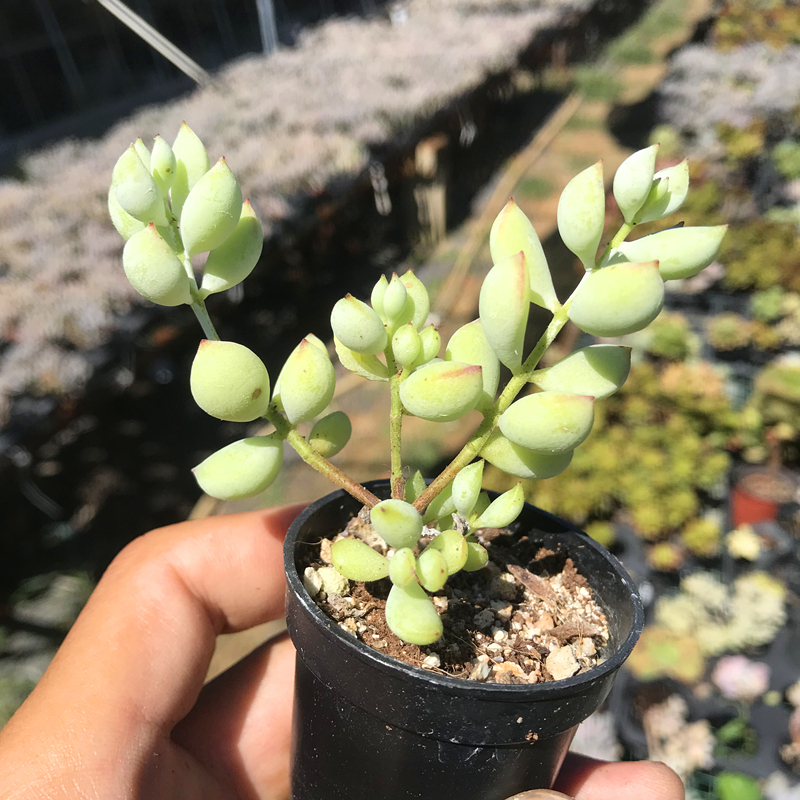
{"points": [[447, 683]]}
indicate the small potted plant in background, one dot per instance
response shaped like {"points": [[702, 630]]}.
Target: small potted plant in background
{"points": [[408, 565], [769, 427]]}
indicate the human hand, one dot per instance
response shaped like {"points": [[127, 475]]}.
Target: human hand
{"points": [[122, 711]]}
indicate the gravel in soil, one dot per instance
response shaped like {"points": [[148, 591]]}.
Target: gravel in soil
{"points": [[527, 617]]}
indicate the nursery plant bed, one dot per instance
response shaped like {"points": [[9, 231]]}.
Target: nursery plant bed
{"points": [[369, 725]]}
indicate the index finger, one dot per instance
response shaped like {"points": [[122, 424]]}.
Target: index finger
{"points": [[141, 647]]}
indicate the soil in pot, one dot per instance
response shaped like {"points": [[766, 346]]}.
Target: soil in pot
{"points": [[527, 617], [367, 725]]}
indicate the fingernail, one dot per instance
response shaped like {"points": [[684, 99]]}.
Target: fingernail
{"points": [[540, 794]]}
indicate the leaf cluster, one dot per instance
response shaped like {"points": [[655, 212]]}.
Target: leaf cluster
{"points": [[657, 446], [170, 205]]}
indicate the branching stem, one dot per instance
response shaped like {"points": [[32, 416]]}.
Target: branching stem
{"points": [[617, 240], [522, 376], [473, 447], [287, 431], [200, 311]]}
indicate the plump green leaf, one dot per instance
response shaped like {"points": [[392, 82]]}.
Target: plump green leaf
{"points": [[231, 262], [136, 191], [618, 299], [154, 270], [466, 488], [125, 224], [680, 252], [503, 305], [581, 213], [469, 345], [143, 152], [242, 469], [441, 506], [403, 567], [443, 391], [430, 342], [358, 327], [477, 557], [366, 366], [306, 383], [633, 180], [432, 569], [523, 463], [162, 165], [667, 193], [212, 210], [597, 370], [192, 163], [357, 561], [406, 345], [411, 615], [548, 422], [452, 545], [503, 510], [513, 232], [330, 434], [398, 523], [229, 381], [376, 299], [418, 299], [395, 303]]}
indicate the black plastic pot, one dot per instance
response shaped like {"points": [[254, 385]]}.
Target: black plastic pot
{"points": [[367, 726]]}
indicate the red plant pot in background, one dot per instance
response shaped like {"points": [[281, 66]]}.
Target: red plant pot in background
{"points": [[757, 495]]}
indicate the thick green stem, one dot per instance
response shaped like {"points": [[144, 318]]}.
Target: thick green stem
{"points": [[395, 426], [617, 240], [288, 431], [474, 446], [200, 311]]}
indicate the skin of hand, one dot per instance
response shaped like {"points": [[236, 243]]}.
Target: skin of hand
{"points": [[122, 711]]}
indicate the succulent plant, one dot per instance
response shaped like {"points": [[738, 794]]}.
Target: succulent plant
{"points": [[702, 537], [661, 653], [671, 337], [739, 678], [725, 619], [171, 205], [767, 305], [729, 331], [665, 557]]}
